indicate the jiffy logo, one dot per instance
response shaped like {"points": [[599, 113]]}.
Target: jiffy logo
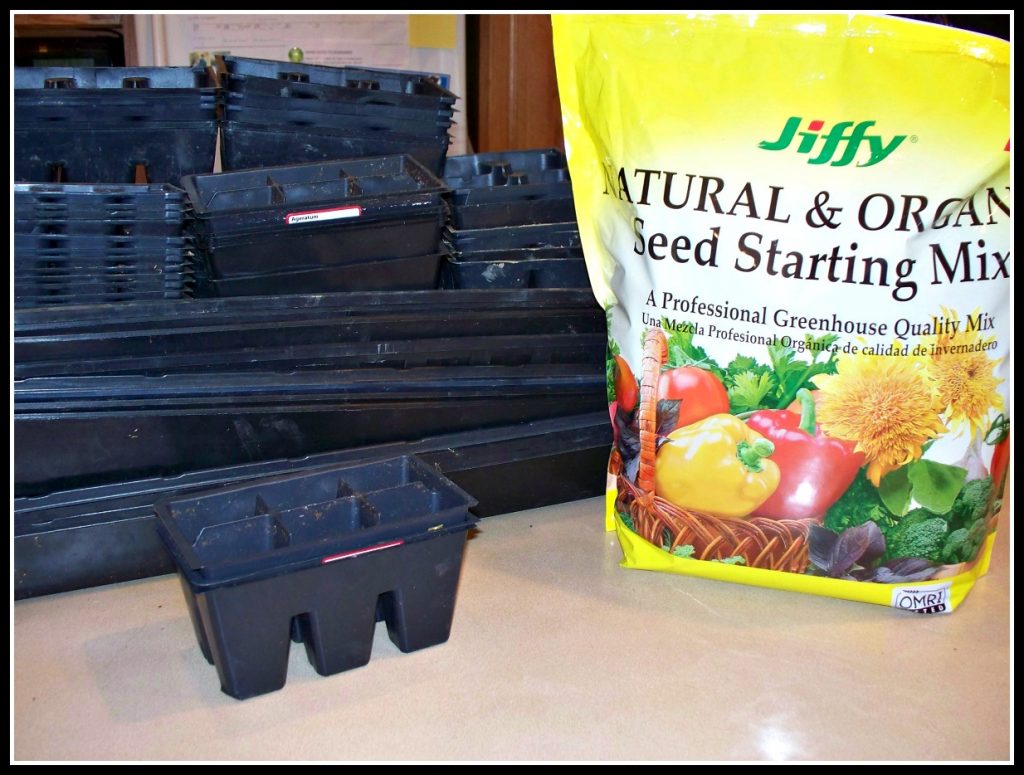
{"points": [[853, 135]]}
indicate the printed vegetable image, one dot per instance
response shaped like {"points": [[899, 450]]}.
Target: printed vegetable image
{"points": [[655, 352], [998, 436], [719, 466], [626, 389], [691, 490], [814, 469], [699, 392]]}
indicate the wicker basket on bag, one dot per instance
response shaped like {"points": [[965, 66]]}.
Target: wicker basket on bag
{"points": [[774, 544]]}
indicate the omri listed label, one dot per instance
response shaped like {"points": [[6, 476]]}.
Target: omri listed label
{"points": [[330, 214], [933, 599]]}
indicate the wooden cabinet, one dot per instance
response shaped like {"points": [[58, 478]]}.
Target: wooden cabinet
{"points": [[513, 94]]}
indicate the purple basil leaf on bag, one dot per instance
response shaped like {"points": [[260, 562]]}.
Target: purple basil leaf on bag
{"points": [[668, 415], [631, 468], [629, 438], [898, 571], [848, 549], [876, 545], [819, 545]]}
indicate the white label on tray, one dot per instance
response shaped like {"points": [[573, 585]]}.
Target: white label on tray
{"points": [[332, 214], [923, 600]]}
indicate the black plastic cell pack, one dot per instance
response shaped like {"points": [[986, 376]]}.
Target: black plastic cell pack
{"points": [[509, 188], [112, 125], [323, 550], [313, 216], [100, 535]]}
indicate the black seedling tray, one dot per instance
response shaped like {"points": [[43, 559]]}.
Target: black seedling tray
{"points": [[98, 284], [124, 96], [31, 250], [280, 308], [530, 209], [312, 216], [107, 108], [46, 301], [296, 116], [492, 190], [97, 243], [51, 202], [245, 146], [466, 448], [320, 329], [84, 538], [399, 354], [255, 198], [72, 264], [545, 235], [110, 391], [427, 118], [82, 153], [506, 168], [297, 520], [333, 243], [65, 450], [358, 84], [169, 226], [538, 273], [98, 281], [396, 274], [136, 80]]}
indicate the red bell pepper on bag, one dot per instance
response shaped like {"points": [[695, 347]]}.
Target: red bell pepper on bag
{"points": [[815, 469], [999, 437]]}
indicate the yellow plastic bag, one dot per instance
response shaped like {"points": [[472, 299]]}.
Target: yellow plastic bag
{"points": [[800, 228]]}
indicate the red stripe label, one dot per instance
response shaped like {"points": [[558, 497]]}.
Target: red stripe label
{"points": [[364, 550]]}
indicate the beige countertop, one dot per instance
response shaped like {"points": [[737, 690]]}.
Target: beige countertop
{"points": [[555, 653]]}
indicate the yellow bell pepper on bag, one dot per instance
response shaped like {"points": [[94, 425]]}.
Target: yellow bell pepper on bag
{"points": [[719, 466]]}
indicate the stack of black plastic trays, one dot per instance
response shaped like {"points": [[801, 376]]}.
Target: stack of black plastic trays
{"points": [[351, 225], [504, 390], [513, 224], [113, 124], [80, 244], [283, 113]]}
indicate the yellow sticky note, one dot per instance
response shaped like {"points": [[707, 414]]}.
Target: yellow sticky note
{"points": [[432, 30]]}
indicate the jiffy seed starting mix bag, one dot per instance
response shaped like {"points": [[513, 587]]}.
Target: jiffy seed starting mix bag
{"points": [[800, 229]]}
